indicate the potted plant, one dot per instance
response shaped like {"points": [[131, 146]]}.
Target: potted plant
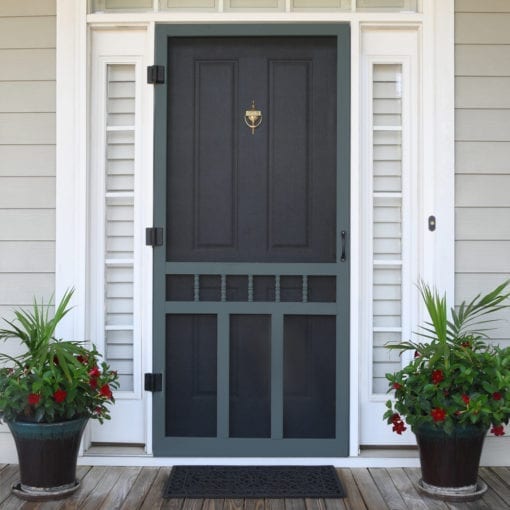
{"points": [[47, 395], [455, 388]]}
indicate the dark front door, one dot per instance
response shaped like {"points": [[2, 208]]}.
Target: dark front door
{"points": [[251, 284]]}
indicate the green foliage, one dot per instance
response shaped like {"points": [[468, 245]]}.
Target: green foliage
{"points": [[52, 380], [456, 376]]}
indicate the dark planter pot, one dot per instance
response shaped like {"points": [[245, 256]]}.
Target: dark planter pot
{"points": [[449, 462], [47, 454]]}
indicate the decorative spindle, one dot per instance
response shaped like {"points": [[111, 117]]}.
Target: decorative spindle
{"points": [[305, 288], [250, 288], [223, 288], [196, 287], [277, 288]]}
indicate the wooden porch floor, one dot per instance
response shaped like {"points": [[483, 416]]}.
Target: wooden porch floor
{"points": [[131, 488]]}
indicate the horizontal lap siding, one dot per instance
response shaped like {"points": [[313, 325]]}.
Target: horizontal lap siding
{"points": [[27, 152], [482, 133]]}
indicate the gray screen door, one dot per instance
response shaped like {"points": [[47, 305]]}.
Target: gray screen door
{"points": [[252, 282]]}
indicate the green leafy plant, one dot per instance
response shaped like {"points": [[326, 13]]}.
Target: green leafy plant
{"points": [[52, 380], [456, 377]]}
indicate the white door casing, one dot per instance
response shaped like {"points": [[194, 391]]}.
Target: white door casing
{"points": [[78, 257]]}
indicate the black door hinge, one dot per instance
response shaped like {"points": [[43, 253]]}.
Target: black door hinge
{"points": [[155, 74], [153, 382], [154, 236]]}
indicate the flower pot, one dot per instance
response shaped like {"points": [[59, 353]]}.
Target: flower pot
{"points": [[47, 454], [449, 462]]}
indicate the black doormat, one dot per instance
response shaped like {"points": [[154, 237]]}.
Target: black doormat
{"points": [[253, 482]]}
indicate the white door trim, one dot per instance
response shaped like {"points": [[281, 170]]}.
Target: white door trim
{"points": [[437, 108]]}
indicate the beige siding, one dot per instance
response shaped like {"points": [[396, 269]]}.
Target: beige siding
{"points": [[17, 8], [482, 133], [27, 151]]}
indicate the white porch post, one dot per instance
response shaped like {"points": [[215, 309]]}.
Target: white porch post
{"points": [[71, 175]]}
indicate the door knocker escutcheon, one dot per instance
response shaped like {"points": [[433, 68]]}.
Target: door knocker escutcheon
{"points": [[253, 118]]}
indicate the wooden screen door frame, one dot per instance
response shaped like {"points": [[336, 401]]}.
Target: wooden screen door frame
{"points": [[338, 447]]}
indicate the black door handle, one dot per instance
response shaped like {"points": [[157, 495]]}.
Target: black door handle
{"points": [[343, 236]]}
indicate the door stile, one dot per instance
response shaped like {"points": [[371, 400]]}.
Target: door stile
{"points": [[223, 371], [277, 376], [343, 184]]}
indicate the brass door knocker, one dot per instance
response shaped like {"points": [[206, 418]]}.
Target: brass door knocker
{"points": [[253, 118]]}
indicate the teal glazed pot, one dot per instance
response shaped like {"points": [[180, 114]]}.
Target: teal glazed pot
{"points": [[449, 462], [47, 454]]}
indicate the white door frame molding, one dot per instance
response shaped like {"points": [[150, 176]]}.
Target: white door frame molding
{"points": [[436, 108]]}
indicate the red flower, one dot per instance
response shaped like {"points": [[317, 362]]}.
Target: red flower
{"points": [[398, 424], [399, 427], [55, 360], [437, 376], [33, 398], [60, 395], [466, 344], [95, 372], [82, 359], [397, 386], [465, 398], [417, 354], [438, 414], [93, 382], [498, 430], [395, 418], [497, 395], [105, 391]]}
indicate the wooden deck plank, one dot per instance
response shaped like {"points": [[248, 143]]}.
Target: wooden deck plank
{"points": [[414, 475], [193, 504], [81, 473], [154, 497], [473, 505], [253, 504], [171, 503], [108, 488], [88, 483], [411, 497], [503, 473], [14, 503], [492, 497], [354, 499], [387, 488], [315, 504], [275, 504], [496, 483], [214, 504], [233, 504], [118, 494], [140, 488], [101, 491], [368, 489], [9, 477], [295, 504], [335, 504]]}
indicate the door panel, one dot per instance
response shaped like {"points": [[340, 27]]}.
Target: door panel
{"points": [[309, 376], [250, 376], [251, 315], [238, 196], [191, 384]]}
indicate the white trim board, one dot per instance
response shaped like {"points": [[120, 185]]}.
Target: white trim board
{"points": [[436, 262]]}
